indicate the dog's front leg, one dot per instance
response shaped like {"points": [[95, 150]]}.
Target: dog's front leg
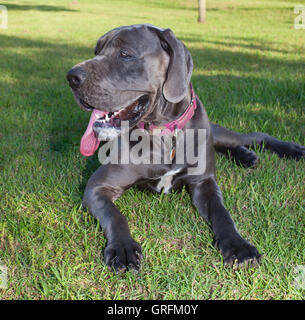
{"points": [[122, 251], [207, 199]]}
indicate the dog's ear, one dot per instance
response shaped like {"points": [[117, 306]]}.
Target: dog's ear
{"points": [[180, 67]]}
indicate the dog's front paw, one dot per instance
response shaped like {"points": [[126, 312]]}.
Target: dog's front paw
{"points": [[123, 255], [236, 250]]}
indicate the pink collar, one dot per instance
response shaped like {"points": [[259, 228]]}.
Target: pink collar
{"points": [[179, 123]]}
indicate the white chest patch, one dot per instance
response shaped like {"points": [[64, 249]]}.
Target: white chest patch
{"points": [[165, 182]]}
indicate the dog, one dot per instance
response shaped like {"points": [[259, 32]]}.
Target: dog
{"points": [[141, 74]]}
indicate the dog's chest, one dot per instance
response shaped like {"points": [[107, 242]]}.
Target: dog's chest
{"points": [[166, 180]]}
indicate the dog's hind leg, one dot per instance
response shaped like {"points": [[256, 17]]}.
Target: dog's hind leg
{"points": [[236, 145]]}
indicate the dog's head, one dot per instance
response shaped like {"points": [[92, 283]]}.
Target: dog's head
{"points": [[134, 68]]}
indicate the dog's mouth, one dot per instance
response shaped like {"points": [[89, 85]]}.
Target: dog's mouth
{"points": [[132, 113], [107, 125]]}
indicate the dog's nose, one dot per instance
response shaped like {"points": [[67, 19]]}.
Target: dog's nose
{"points": [[76, 76]]}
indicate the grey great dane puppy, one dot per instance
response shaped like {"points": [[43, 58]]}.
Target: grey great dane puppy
{"points": [[141, 74]]}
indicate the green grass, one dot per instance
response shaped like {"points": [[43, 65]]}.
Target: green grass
{"points": [[249, 73]]}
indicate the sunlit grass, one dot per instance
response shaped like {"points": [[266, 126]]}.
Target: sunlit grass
{"points": [[249, 73]]}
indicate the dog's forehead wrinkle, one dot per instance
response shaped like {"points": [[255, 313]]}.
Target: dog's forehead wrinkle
{"points": [[138, 38], [134, 32]]}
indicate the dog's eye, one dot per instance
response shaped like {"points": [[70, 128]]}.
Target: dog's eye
{"points": [[125, 55]]}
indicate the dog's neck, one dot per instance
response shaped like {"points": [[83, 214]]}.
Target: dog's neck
{"points": [[174, 116]]}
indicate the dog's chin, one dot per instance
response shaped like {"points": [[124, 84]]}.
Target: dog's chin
{"points": [[110, 125]]}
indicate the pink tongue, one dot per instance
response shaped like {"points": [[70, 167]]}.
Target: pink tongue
{"points": [[89, 142]]}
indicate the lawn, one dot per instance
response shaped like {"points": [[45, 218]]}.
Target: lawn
{"points": [[249, 73]]}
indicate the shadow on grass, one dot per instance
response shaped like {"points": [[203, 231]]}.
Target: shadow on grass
{"points": [[192, 6], [37, 85], [27, 7], [251, 43]]}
